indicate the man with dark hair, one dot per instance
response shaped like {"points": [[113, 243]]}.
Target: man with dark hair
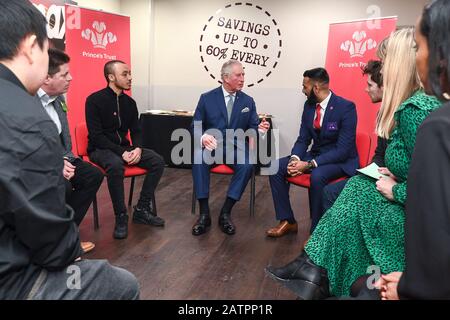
{"points": [[39, 241], [110, 114], [82, 179], [329, 122], [375, 91]]}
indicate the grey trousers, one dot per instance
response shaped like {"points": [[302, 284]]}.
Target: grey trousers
{"points": [[86, 280]]}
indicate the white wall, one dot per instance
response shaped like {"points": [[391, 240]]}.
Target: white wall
{"points": [[179, 77], [112, 6], [140, 14]]}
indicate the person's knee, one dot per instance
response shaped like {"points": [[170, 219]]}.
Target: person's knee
{"points": [[115, 167], [125, 284], [97, 177], [129, 285], [317, 178]]}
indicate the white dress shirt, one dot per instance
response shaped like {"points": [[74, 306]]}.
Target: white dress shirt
{"points": [[47, 103], [323, 109]]}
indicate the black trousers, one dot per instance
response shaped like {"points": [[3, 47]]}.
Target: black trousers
{"points": [[82, 188], [114, 166]]}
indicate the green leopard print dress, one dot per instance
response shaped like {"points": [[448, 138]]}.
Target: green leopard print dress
{"points": [[363, 228]]}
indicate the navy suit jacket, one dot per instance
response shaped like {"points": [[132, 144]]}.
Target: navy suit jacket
{"points": [[212, 113], [336, 142]]}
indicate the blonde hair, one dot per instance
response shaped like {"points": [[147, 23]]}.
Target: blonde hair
{"points": [[400, 78], [381, 50]]}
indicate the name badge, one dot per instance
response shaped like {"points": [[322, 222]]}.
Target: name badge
{"points": [[332, 126]]}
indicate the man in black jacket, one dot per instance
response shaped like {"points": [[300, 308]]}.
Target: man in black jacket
{"points": [[110, 114], [39, 241], [375, 91]]}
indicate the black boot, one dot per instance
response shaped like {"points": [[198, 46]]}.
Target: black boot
{"points": [[303, 277], [145, 213], [201, 225], [121, 228]]}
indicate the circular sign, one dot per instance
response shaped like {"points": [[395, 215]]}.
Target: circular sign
{"points": [[244, 32]]}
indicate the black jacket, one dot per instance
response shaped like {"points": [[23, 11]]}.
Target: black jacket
{"points": [[108, 119], [380, 151], [427, 212], [37, 230]]}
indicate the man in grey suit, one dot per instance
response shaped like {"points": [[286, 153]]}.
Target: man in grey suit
{"points": [[81, 178]]}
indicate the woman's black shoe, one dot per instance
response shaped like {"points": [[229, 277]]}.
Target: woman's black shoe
{"points": [[307, 280]]}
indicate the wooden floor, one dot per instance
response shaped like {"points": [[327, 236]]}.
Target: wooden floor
{"points": [[171, 263]]}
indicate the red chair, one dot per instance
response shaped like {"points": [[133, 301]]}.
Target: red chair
{"points": [[81, 138], [224, 169], [363, 143]]}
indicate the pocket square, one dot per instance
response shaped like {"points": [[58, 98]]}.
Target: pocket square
{"points": [[332, 126], [246, 109]]}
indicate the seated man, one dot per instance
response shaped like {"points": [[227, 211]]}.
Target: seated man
{"points": [[329, 121], [82, 179], [110, 114], [375, 91], [39, 240], [225, 107]]}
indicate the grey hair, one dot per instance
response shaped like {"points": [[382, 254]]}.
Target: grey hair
{"points": [[226, 67]]}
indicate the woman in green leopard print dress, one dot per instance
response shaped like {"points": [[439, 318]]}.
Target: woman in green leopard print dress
{"points": [[364, 228]]}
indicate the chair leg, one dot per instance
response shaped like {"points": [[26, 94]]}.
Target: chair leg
{"points": [[193, 201], [130, 199], [252, 193], [154, 203], [95, 212]]}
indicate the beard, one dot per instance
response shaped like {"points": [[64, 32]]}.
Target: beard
{"points": [[312, 98]]}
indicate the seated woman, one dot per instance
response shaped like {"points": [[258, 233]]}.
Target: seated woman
{"points": [[427, 229], [365, 226]]}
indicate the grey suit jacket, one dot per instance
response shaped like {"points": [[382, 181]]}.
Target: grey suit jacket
{"points": [[65, 132]]}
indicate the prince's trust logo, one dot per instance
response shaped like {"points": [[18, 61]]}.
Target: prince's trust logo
{"points": [[359, 46], [98, 36]]}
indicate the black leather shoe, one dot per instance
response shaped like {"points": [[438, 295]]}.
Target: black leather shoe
{"points": [[226, 224], [144, 215], [201, 225], [303, 277], [121, 227]]}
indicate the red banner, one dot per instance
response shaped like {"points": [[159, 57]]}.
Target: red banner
{"points": [[350, 46], [92, 39]]}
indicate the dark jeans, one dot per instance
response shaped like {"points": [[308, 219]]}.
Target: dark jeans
{"points": [[331, 192], [82, 188], [114, 166], [86, 280]]}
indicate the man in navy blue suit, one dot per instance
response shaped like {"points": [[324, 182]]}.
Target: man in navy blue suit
{"points": [[223, 109], [329, 122]]}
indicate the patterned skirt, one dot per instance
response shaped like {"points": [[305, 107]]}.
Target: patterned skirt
{"points": [[362, 232]]}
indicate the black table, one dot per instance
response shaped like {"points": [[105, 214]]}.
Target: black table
{"points": [[157, 131]]}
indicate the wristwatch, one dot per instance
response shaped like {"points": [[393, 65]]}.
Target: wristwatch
{"points": [[310, 165]]}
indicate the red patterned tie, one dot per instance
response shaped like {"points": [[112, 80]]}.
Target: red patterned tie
{"points": [[317, 120]]}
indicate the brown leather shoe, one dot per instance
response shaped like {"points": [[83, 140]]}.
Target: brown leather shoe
{"points": [[87, 246], [283, 228]]}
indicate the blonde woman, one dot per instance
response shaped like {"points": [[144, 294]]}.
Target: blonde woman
{"points": [[364, 230]]}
